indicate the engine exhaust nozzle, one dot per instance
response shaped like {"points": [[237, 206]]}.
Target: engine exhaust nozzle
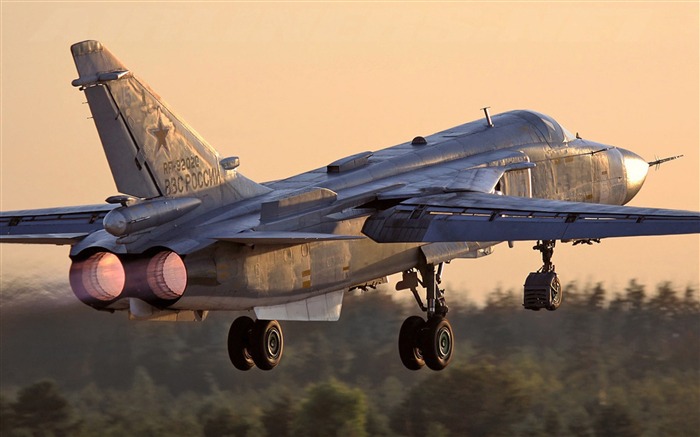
{"points": [[98, 279]]}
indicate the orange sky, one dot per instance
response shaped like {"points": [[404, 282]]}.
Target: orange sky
{"points": [[291, 87]]}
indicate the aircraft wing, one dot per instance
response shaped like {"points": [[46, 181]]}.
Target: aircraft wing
{"points": [[470, 216], [66, 225]]}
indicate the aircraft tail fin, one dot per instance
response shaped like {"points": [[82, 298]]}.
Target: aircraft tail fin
{"points": [[151, 151]]}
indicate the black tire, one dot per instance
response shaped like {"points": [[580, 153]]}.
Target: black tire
{"points": [[409, 340], [438, 343], [557, 294], [266, 344], [238, 341]]}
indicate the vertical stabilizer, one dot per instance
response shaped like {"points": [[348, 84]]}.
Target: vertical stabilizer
{"points": [[151, 151]]}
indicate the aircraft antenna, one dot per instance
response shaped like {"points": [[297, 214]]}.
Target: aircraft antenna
{"points": [[488, 116], [657, 163]]}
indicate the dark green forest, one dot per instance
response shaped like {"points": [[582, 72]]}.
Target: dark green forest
{"points": [[620, 362]]}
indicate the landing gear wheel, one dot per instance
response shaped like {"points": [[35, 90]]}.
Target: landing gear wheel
{"points": [[438, 343], [266, 344], [557, 294], [409, 339], [238, 340]]}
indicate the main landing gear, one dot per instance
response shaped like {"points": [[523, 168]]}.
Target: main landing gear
{"points": [[424, 342], [255, 343], [542, 288]]}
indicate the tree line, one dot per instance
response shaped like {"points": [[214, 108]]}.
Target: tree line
{"points": [[607, 363]]}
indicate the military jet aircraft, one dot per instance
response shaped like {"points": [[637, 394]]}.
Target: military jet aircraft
{"points": [[190, 234]]}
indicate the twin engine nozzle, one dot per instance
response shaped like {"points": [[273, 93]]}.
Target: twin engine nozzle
{"points": [[103, 278]]}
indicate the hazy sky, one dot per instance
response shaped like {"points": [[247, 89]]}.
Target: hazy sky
{"points": [[292, 87]]}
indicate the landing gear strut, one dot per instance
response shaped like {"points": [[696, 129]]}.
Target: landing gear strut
{"points": [[542, 288], [426, 342], [255, 343]]}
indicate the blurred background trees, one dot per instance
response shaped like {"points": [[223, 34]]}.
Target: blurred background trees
{"points": [[622, 362]]}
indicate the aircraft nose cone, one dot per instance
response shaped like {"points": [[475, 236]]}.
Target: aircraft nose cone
{"points": [[636, 170]]}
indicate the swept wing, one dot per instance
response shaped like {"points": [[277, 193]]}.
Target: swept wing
{"points": [[64, 225], [490, 217]]}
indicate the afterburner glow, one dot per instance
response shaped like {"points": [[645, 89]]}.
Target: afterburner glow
{"points": [[101, 276], [167, 275]]}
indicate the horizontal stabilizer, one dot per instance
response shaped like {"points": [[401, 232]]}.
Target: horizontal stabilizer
{"points": [[66, 225], [282, 237], [488, 217], [57, 239]]}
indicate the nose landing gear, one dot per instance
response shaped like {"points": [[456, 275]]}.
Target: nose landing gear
{"points": [[424, 342], [542, 288]]}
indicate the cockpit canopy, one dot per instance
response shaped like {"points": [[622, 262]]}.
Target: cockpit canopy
{"points": [[549, 128]]}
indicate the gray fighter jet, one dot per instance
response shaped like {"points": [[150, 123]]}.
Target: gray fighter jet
{"points": [[190, 234]]}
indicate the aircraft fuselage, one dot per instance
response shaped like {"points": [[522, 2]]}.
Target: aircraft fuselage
{"points": [[233, 276]]}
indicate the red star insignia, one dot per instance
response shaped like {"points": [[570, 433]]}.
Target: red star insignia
{"points": [[160, 133]]}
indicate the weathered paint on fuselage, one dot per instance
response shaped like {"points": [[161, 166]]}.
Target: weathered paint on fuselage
{"points": [[229, 276]]}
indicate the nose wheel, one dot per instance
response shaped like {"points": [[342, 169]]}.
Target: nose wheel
{"points": [[428, 342], [542, 288]]}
